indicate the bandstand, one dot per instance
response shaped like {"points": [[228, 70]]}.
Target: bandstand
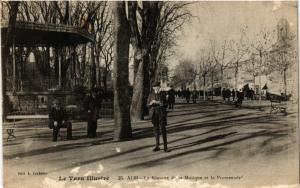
{"points": [[28, 90]]}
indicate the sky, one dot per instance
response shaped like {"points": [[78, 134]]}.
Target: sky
{"points": [[223, 20]]}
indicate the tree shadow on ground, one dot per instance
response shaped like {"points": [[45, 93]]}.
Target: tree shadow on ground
{"points": [[221, 126], [144, 133], [209, 126], [59, 148], [180, 126], [263, 133], [202, 111], [208, 139]]}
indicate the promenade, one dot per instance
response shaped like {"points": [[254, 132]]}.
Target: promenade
{"points": [[211, 144]]}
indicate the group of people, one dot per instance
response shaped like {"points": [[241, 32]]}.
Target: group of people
{"points": [[188, 95], [58, 118], [239, 95], [171, 98], [226, 94], [158, 102]]}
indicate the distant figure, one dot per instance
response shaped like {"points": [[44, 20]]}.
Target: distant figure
{"points": [[240, 98], [58, 119], [233, 94], [227, 95], [224, 94], [171, 98], [163, 98], [187, 95], [92, 104], [251, 94], [194, 95], [158, 115]]}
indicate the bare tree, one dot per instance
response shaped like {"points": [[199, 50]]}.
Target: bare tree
{"points": [[102, 26], [152, 41], [284, 52], [14, 5], [122, 129], [173, 15], [142, 40], [212, 67], [239, 50], [184, 74], [252, 67], [204, 69], [261, 47], [221, 58]]}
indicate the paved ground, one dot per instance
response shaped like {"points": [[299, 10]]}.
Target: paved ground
{"points": [[210, 142]]}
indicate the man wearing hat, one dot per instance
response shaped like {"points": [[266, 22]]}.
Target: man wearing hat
{"points": [[92, 104], [58, 119], [158, 115]]}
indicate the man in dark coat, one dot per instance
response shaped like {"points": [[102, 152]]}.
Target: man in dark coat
{"points": [[158, 116], [224, 93], [58, 119], [233, 94], [187, 95], [251, 94], [194, 96], [240, 98], [92, 104]]}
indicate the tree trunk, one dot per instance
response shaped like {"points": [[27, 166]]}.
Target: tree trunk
{"points": [[99, 75], [222, 82], [259, 81], [141, 42], [82, 66], [236, 78], [136, 110], [93, 67], [284, 80], [147, 85], [105, 82], [254, 82], [212, 86], [204, 88], [97, 68], [5, 51], [74, 60], [122, 130]]}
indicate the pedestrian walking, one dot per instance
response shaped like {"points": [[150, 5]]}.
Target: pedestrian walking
{"points": [[224, 94], [194, 96], [233, 94], [227, 95], [251, 94], [92, 104], [158, 116], [171, 98], [240, 98], [58, 119], [187, 95]]}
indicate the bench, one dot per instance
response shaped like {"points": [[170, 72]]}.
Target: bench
{"points": [[10, 130], [277, 104]]}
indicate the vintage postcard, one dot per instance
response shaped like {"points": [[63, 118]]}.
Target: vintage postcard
{"points": [[150, 94]]}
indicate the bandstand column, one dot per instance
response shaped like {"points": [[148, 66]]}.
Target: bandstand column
{"points": [[59, 70], [14, 66]]}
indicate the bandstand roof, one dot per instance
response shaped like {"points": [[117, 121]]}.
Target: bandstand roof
{"points": [[30, 34]]}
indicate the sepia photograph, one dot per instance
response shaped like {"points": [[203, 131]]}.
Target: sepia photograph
{"points": [[146, 94]]}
